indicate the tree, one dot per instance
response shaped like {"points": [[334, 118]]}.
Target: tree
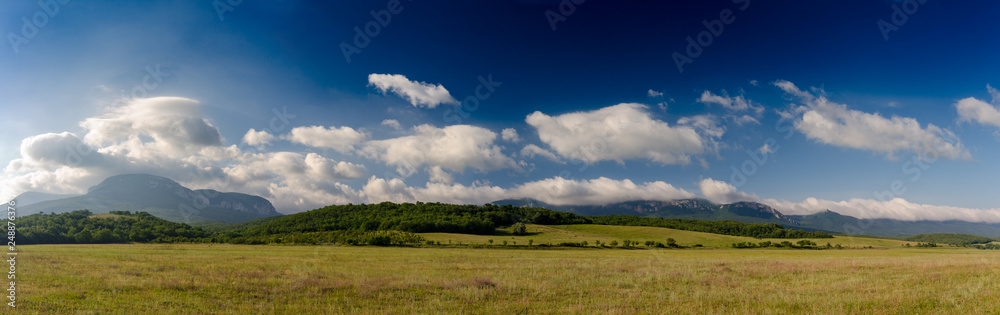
{"points": [[531, 242], [671, 242], [104, 236], [84, 237], [520, 229], [613, 243]]}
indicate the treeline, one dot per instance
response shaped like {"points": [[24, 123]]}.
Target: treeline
{"points": [[364, 224], [803, 244], [83, 227], [342, 237], [949, 238], [756, 230], [407, 217]]}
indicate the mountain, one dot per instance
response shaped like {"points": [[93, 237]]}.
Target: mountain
{"points": [[701, 209], [835, 222], [32, 197], [753, 212], [161, 197]]}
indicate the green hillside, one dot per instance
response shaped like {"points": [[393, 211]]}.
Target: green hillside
{"points": [[592, 233]]}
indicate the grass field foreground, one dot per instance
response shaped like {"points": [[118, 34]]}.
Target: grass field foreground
{"points": [[328, 279]]}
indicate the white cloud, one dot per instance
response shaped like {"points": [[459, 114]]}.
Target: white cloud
{"points": [[600, 191], [653, 93], [439, 175], [510, 135], [972, 109], [723, 192], [766, 149], [392, 123], [736, 104], [556, 191], [454, 148], [531, 151], [174, 123], [742, 120], [419, 94], [619, 132], [831, 123], [897, 208], [58, 149], [123, 141], [342, 139], [257, 138], [706, 123], [754, 83]]}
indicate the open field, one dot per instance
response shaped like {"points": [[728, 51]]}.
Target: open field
{"points": [[555, 234], [327, 279]]}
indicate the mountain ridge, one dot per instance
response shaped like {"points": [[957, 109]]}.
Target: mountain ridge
{"points": [[755, 212], [161, 197]]}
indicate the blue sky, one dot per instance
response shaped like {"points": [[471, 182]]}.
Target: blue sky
{"points": [[592, 90]]}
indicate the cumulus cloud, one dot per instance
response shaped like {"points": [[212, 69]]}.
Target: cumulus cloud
{"points": [[653, 93], [392, 123], [972, 109], [342, 139], [171, 121], [439, 175], [58, 149], [600, 191], [835, 124], [136, 138], [723, 192], [257, 138], [510, 135], [531, 151], [455, 148], [419, 94], [619, 132]]}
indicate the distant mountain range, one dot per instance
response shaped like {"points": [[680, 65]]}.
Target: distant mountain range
{"points": [[753, 212], [159, 196]]}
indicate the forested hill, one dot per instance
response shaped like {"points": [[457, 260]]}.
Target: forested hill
{"points": [[471, 219], [408, 217], [84, 227], [377, 224]]}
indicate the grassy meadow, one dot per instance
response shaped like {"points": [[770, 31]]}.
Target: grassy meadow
{"points": [[261, 279], [555, 234]]}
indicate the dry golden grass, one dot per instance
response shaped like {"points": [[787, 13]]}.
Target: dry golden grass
{"points": [[198, 279]]}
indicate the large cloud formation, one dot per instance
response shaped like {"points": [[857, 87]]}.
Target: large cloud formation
{"points": [[827, 122], [455, 148], [168, 136], [617, 133]]}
